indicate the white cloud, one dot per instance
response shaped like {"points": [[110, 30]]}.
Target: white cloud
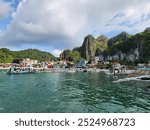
{"points": [[134, 19], [56, 52], [4, 9], [62, 24], [1, 33]]}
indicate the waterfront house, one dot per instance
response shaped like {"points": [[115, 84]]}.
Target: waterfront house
{"points": [[148, 64], [1, 64], [82, 63], [97, 59], [28, 61], [140, 65]]}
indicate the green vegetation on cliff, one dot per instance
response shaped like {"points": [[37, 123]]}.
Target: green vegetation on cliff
{"points": [[92, 47], [101, 45], [139, 42], [70, 56], [7, 56], [118, 39], [124, 47]]}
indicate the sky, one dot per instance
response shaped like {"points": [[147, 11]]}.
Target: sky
{"points": [[55, 25]]}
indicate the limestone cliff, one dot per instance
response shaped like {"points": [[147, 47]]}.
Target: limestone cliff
{"points": [[133, 48], [92, 47], [123, 47], [88, 48]]}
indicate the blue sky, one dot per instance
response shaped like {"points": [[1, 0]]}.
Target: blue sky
{"points": [[54, 25], [7, 20]]}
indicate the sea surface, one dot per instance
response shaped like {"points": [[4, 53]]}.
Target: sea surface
{"points": [[71, 92]]}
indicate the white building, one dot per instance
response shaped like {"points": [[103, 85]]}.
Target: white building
{"points": [[28, 61], [97, 59], [82, 63]]}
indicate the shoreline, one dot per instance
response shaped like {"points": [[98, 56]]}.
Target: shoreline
{"points": [[74, 70]]}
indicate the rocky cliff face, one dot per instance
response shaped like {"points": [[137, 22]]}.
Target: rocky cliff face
{"points": [[129, 56], [101, 45], [147, 30], [88, 48], [70, 55], [119, 38], [133, 48], [92, 47], [123, 47]]}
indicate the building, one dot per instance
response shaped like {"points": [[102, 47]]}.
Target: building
{"points": [[97, 59], [82, 63], [149, 64], [28, 61], [140, 65]]}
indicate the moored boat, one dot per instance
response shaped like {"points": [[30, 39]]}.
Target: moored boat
{"points": [[21, 70], [139, 75], [145, 78]]}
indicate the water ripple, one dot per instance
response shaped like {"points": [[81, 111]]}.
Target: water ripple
{"points": [[70, 92]]}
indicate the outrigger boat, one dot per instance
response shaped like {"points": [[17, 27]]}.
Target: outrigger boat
{"points": [[21, 70], [145, 78], [139, 75]]}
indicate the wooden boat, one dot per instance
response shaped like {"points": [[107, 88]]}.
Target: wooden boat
{"points": [[144, 78], [21, 70], [138, 75]]}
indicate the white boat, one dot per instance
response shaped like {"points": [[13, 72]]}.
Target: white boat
{"points": [[143, 78], [58, 70], [21, 70], [70, 71]]}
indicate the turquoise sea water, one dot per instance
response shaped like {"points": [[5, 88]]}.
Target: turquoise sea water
{"points": [[70, 92]]}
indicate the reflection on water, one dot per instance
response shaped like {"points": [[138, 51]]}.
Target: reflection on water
{"points": [[71, 92]]}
